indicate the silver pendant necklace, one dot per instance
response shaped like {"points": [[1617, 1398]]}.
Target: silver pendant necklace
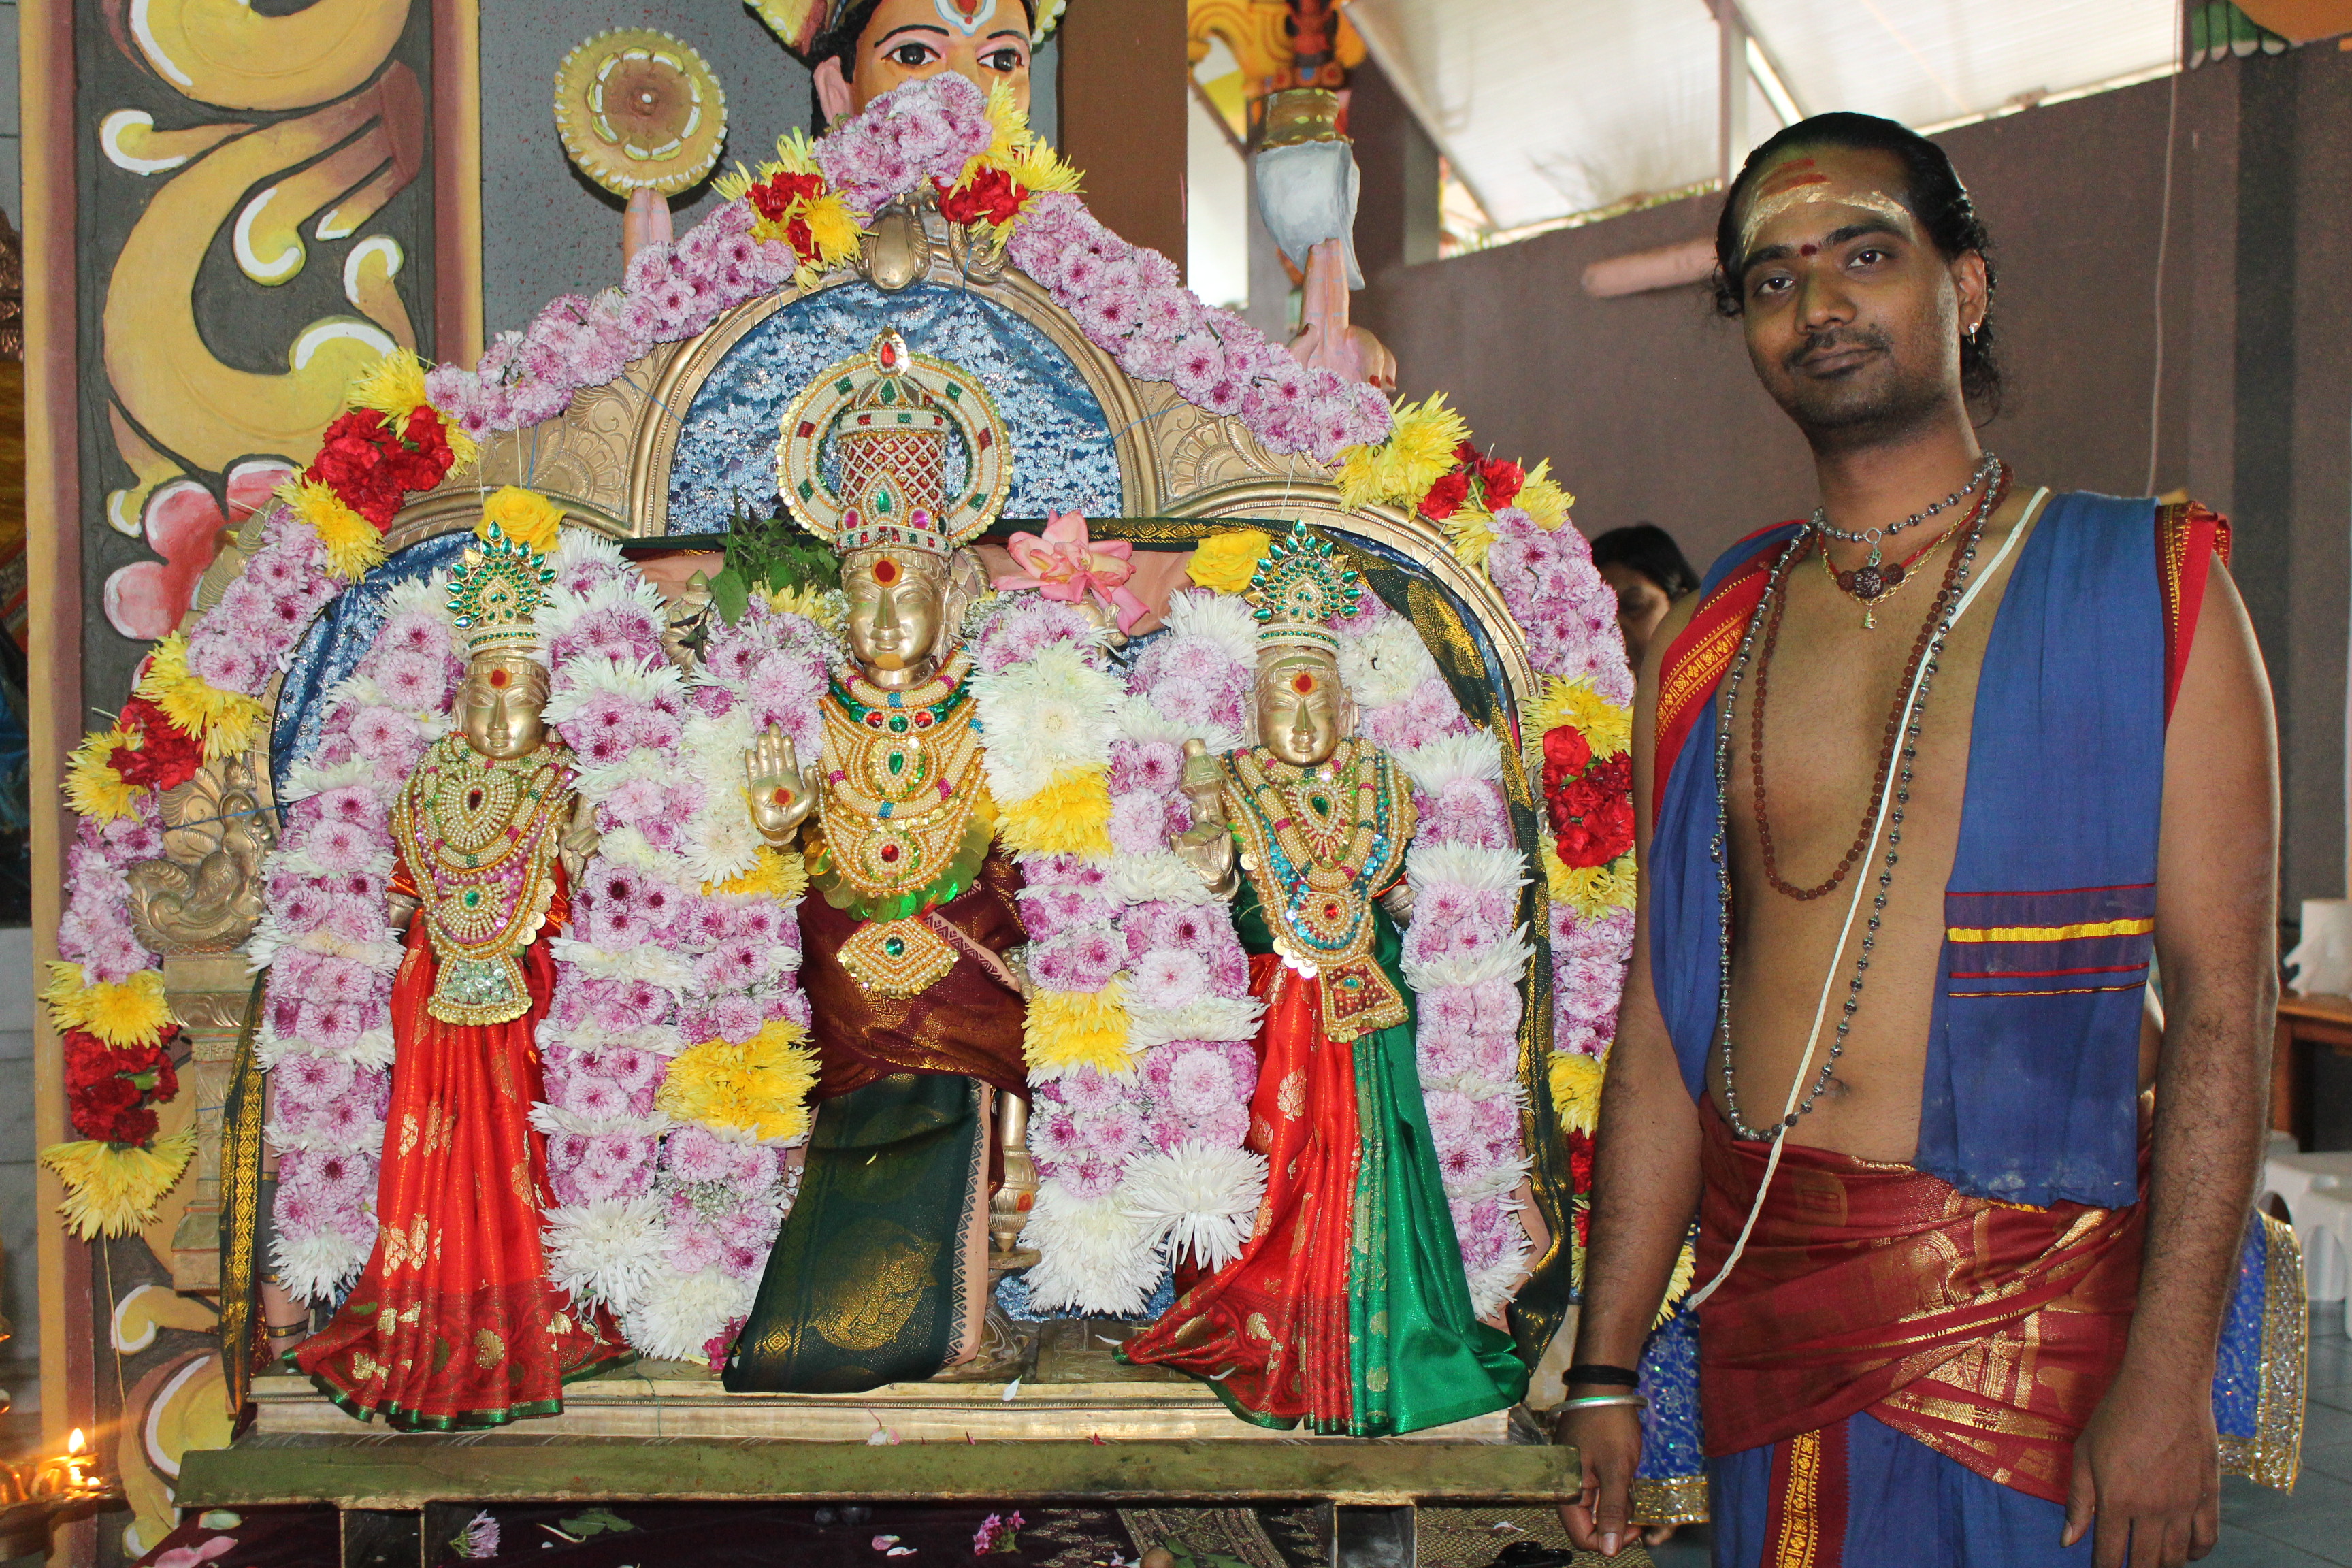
{"points": [[1867, 576]]}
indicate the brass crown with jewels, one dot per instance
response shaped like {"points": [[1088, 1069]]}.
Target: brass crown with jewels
{"points": [[1297, 589], [894, 417], [496, 593]]}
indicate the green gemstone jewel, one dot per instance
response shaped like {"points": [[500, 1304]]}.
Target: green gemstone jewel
{"points": [[895, 946], [897, 761], [898, 723]]}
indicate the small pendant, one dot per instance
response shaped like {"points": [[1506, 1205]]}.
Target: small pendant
{"points": [[1869, 621]]}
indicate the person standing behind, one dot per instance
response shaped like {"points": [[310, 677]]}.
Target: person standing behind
{"points": [[1649, 572], [1922, 782]]}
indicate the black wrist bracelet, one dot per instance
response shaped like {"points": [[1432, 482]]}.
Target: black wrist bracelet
{"points": [[1595, 1374]]}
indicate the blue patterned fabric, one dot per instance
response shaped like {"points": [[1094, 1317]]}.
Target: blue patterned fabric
{"points": [[726, 459], [1672, 1447], [2238, 1367], [336, 643]]}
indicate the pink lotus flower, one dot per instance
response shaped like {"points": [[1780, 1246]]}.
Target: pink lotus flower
{"points": [[1064, 564]]}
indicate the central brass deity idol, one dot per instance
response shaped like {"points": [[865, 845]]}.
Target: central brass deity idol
{"points": [[883, 1270]]}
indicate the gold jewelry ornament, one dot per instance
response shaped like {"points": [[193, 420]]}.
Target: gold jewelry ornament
{"points": [[893, 415], [639, 111], [1300, 588], [480, 836]]}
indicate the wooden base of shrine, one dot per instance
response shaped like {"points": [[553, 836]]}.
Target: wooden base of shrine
{"points": [[675, 1399]]}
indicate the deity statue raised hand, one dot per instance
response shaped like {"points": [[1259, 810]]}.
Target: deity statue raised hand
{"points": [[454, 1324], [881, 1272], [1348, 1310]]}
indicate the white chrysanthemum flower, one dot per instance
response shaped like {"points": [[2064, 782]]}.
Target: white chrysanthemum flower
{"points": [[721, 841], [680, 1314], [318, 1267], [1162, 877], [1385, 665], [304, 780], [638, 683], [554, 1119], [1492, 1288], [1204, 1018], [1437, 764], [427, 596], [646, 962], [1044, 720], [609, 1251], [1467, 866], [1501, 961], [1225, 619], [1094, 1255], [1135, 719], [1200, 1199]]}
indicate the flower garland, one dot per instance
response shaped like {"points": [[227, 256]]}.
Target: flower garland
{"points": [[799, 216], [326, 1023], [676, 1067], [1576, 731]]}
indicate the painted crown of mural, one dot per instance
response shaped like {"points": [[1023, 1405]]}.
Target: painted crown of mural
{"points": [[496, 595], [808, 27], [1297, 589], [894, 417]]}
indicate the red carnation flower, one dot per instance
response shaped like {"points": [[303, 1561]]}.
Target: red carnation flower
{"points": [[991, 193], [1566, 748], [1501, 482], [159, 754], [1445, 496], [798, 236], [1466, 453], [774, 196], [1580, 1162]]}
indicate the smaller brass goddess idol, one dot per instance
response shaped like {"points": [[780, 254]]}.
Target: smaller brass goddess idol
{"points": [[881, 1271], [1348, 1310], [454, 1323]]}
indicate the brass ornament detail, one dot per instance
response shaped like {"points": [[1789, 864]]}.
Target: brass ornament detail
{"points": [[638, 110], [204, 894]]}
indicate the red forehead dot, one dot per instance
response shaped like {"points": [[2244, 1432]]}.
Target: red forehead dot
{"points": [[782, 797], [886, 570], [1302, 683], [498, 678]]}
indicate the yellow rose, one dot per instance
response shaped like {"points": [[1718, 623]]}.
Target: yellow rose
{"points": [[1226, 562], [523, 516]]}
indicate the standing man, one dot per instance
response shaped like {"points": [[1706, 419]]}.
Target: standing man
{"points": [[1922, 782]]}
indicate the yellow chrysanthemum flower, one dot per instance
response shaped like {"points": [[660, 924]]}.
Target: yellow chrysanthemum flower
{"points": [[129, 1012], [1069, 816], [1065, 1030], [526, 517], [393, 386], [760, 1087], [227, 722], [112, 1190], [1591, 890], [1470, 533], [834, 229], [1607, 727], [1575, 1081], [352, 543], [1226, 562], [92, 786], [1678, 1284], [1542, 500], [775, 875]]}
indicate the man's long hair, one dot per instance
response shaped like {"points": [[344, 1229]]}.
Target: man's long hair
{"points": [[1931, 191]]}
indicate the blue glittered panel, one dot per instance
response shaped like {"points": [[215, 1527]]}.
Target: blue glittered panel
{"points": [[1672, 1442], [2238, 1366], [332, 649], [1063, 459]]}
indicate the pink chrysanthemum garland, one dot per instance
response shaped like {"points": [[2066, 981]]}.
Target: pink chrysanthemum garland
{"points": [[326, 1024], [1126, 299], [675, 1075]]}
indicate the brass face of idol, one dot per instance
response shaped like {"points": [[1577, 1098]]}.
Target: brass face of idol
{"points": [[1303, 710], [897, 610], [499, 707]]}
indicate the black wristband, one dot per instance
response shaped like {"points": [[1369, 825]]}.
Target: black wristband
{"points": [[1595, 1374]]}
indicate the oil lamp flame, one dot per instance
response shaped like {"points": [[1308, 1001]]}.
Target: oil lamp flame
{"points": [[74, 1441]]}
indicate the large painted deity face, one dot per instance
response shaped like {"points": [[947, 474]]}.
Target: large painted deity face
{"points": [[984, 41], [1303, 710], [499, 705], [897, 610]]}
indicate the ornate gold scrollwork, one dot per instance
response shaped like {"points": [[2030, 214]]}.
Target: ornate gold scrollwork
{"points": [[204, 894]]}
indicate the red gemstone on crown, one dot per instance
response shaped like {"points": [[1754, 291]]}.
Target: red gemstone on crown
{"points": [[889, 854]]}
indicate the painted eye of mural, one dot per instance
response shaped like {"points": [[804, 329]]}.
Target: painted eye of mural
{"points": [[1303, 684], [886, 571]]}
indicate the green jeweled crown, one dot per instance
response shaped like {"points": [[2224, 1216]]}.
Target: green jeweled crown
{"points": [[496, 593], [1299, 587]]}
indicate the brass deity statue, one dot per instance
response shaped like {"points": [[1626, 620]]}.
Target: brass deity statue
{"points": [[1347, 1311], [882, 1270]]}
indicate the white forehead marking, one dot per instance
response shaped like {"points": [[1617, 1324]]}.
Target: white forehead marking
{"points": [[952, 14]]}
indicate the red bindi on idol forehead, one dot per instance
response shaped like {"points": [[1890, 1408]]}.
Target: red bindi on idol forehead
{"points": [[498, 678], [886, 570], [1302, 683]]}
